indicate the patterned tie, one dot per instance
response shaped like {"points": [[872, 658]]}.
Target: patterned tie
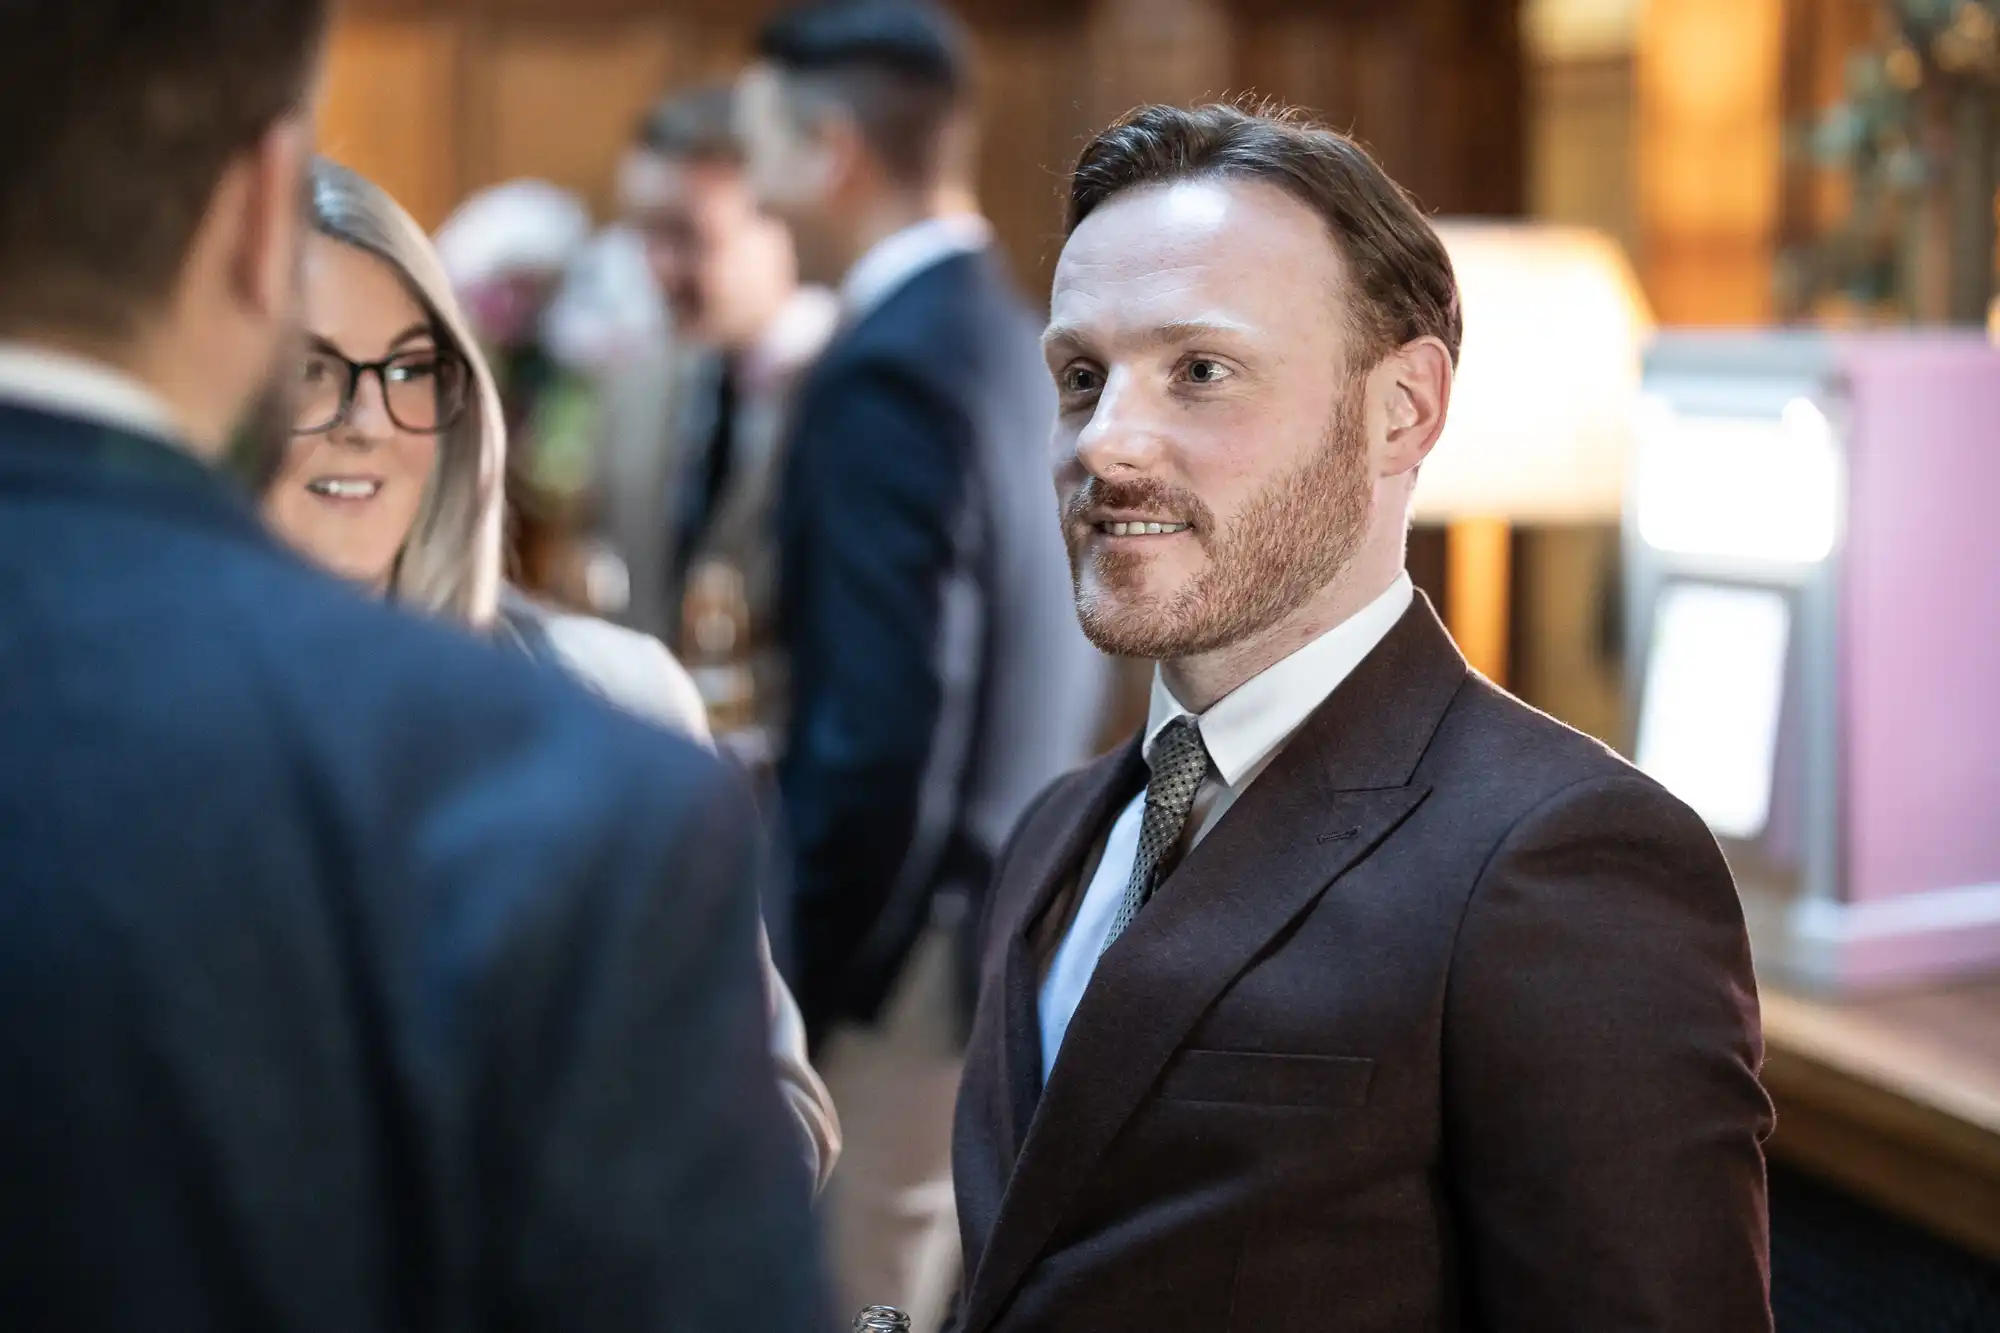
{"points": [[704, 477], [1179, 762]]}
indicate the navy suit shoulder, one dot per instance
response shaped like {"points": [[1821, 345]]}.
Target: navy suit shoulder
{"points": [[959, 303], [956, 334], [938, 676], [363, 975]]}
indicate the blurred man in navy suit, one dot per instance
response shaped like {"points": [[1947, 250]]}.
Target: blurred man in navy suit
{"points": [[938, 676], [352, 975]]}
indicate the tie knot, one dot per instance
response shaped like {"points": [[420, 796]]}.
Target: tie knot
{"points": [[1178, 760]]}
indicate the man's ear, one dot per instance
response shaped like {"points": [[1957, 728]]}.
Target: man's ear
{"points": [[839, 151], [1412, 385], [269, 197]]}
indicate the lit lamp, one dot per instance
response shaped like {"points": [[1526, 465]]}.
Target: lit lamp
{"points": [[1541, 408]]}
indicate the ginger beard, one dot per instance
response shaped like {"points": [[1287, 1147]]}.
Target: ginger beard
{"points": [[1291, 540]]}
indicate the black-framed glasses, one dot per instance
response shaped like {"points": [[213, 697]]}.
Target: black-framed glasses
{"points": [[424, 390]]}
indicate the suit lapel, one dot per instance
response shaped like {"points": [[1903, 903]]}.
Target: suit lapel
{"points": [[1338, 789], [1103, 787], [1004, 1062]]}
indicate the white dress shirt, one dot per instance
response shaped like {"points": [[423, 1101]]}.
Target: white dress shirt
{"points": [[1243, 731], [73, 386], [902, 255]]}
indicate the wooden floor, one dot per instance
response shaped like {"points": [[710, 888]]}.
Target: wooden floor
{"points": [[1896, 1097]]}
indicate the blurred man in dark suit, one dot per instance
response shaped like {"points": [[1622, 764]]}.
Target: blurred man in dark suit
{"points": [[1353, 994], [353, 975], [745, 330], [938, 677]]}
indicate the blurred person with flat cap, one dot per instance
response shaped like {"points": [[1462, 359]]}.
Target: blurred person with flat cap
{"points": [[352, 972], [938, 677]]}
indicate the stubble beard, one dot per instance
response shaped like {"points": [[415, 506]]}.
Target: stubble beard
{"points": [[1295, 538], [263, 433]]}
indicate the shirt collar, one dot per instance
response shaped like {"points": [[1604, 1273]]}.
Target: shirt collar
{"points": [[794, 336], [902, 255], [1246, 726], [73, 386]]}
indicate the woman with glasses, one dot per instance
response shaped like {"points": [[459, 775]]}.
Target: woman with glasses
{"points": [[393, 478]]}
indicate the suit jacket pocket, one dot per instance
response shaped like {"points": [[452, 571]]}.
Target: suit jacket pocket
{"points": [[1254, 1078]]}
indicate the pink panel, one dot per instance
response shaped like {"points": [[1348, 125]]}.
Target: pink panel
{"points": [[1921, 615]]}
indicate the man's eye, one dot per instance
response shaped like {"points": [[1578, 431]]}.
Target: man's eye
{"points": [[1078, 379], [1203, 370]]}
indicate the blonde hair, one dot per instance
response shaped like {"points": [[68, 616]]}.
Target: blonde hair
{"points": [[450, 564]]}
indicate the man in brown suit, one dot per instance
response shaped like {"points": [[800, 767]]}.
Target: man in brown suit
{"points": [[1354, 994]]}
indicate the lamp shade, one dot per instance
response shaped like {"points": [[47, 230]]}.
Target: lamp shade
{"points": [[1541, 419]]}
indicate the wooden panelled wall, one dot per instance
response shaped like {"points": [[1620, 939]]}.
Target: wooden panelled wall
{"points": [[437, 98], [1710, 157]]}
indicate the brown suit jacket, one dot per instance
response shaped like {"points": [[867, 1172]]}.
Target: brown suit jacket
{"points": [[1449, 1024]]}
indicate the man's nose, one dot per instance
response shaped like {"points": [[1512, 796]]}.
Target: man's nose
{"points": [[1124, 434], [665, 262]]}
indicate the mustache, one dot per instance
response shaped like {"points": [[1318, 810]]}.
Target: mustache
{"points": [[1142, 493]]}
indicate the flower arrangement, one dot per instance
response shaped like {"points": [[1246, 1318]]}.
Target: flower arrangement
{"points": [[1915, 137]]}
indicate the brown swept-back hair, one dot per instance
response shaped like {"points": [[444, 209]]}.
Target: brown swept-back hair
{"points": [[1401, 278], [120, 117]]}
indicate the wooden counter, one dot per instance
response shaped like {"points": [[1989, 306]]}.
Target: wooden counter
{"points": [[1895, 1098]]}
